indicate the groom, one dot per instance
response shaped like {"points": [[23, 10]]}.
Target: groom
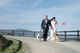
{"points": [[45, 26]]}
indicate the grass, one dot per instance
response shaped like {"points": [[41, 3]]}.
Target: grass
{"points": [[15, 47], [21, 50]]}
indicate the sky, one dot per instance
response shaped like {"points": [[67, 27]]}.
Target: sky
{"points": [[28, 14]]}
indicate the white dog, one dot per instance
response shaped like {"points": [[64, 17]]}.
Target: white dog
{"points": [[39, 36]]}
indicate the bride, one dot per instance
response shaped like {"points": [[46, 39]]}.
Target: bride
{"points": [[53, 36]]}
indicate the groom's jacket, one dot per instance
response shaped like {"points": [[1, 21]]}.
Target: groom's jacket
{"points": [[45, 24]]}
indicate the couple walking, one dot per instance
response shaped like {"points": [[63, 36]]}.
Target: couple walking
{"points": [[46, 24]]}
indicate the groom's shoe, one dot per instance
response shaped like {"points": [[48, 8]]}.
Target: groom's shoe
{"points": [[44, 40]]}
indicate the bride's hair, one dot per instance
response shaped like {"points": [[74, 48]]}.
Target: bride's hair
{"points": [[52, 18]]}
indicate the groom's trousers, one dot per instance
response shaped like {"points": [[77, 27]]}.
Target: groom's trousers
{"points": [[45, 34]]}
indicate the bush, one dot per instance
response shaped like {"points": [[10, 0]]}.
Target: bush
{"points": [[14, 46]]}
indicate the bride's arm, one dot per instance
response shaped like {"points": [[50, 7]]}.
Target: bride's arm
{"points": [[50, 25]]}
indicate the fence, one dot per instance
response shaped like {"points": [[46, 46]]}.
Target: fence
{"points": [[18, 33], [69, 34], [66, 35]]}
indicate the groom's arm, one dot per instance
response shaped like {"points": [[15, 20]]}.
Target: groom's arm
{"points": [[42, 24]]}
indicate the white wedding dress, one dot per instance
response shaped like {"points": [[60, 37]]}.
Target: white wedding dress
{"points": [[53, 36]]}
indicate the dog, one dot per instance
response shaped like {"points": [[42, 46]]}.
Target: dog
{"points": [[39, 36]]}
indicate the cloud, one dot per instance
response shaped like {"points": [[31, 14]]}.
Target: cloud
{"points": [[64, 13], [4, 2], [36, 3], [14, 17]]}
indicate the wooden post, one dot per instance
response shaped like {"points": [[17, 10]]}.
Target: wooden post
{"points": [[33, 34], [23, 33], [65, 35], [78, 35], [12, 32]]}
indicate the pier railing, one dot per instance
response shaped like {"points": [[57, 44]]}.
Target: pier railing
{"points": [[66, 35], [70, 34]]}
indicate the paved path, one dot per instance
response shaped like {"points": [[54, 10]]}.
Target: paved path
{"points": [[45, 47]]}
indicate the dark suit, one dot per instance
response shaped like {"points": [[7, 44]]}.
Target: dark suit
{"points": [[45, 27]]}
